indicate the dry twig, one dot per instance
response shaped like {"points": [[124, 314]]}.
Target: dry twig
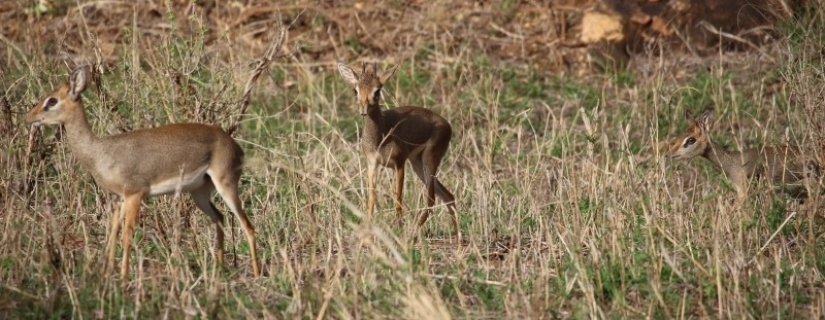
{"points": [[263, 63]]}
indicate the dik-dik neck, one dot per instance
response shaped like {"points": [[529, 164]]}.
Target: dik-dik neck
{"points": [[374, 127], [84, 143], [722, 158]]}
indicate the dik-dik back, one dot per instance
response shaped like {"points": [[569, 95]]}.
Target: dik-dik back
{"points": [[177, 148]]}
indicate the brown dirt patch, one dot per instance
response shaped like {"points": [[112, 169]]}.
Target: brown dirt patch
{"points": [[704, 25], [545, 34]]}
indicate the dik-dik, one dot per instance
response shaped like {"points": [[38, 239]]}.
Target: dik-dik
{"points": [[786, 164], [194, 158], [394, 136]]}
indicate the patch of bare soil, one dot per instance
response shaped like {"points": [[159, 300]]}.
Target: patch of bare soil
{"points": [[551, 35], [703, 25]]}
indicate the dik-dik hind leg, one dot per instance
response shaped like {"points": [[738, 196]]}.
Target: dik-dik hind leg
{"points": [[227, 186], [450, 207], [813, 187], [430, 163], [441, 192], [425, 214], [202, 196], [447, 197]]}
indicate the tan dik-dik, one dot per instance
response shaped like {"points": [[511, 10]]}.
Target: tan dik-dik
{"points": [[193, 158], [394, 136], [780, 164]]}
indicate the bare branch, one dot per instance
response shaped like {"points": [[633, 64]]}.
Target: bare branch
{"points": [[263, 63]]}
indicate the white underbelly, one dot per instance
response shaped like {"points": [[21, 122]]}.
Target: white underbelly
{"points": [[185, 182]]}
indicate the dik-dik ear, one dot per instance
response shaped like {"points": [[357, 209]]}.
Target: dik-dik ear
{"points": [[689, 117], [77, 83], [706, 120], [388, 74], [347, 73]]}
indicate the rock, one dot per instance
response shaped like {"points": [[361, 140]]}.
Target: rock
{"points": [[599, 26]]}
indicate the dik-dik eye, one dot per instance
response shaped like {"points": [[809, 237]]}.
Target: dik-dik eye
{"points": [[689, 142], [376, 94], [49, 103]]}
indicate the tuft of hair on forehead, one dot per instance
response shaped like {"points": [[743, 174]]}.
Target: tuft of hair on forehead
{"points": [[367, 71], [369, 74]]}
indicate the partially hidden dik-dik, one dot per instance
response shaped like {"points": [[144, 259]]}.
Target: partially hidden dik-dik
{"points": [[784, 164], [394, 136], [194, 158]]}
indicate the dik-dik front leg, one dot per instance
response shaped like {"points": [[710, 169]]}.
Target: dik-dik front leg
{"points": [[741, 184], [111, 241], [131, 209], [399, 194], [372, 166]]}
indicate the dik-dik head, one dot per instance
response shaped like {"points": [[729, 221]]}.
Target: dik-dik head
{"points": [[697, 138], [56, 107], [367, 84]]}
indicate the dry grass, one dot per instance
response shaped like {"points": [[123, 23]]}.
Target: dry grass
{"points": [[568, 209]]}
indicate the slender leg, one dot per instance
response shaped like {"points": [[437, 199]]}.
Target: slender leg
{"points": [[399, 193], [111, 242], [218, 238], [372, 166], [202, 200], [441, 192], [430, 202], [812, 187], [131, 205], [430, 169], [741, 185], [228, 189]]}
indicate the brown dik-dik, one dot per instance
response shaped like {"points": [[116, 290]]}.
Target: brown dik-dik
{"points": [[394, 136], [780, 164], [194, 158]]}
